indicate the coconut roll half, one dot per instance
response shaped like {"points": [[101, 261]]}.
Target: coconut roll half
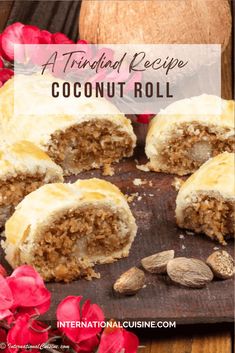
{"points": [[68, 130], [189, 132], [64, 229], [206, 201], [23, 168]]}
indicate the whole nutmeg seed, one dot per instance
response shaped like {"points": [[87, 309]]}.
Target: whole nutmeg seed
{"points": [[189, 272], [222, 264], [157, 263], [130, 282]]}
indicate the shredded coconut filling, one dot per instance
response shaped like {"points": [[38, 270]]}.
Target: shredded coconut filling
{"points": [[89, 145], [211, 216], [14, 190], [191, 146], [65, 249]]}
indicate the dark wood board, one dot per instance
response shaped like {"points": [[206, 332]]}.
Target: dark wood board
{"points": [[156, 231], [155, 215]]}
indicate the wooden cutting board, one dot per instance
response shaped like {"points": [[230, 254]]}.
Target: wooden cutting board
{"points": [[153, 209]]}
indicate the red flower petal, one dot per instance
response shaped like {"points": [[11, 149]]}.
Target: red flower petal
{"points": [[6, 297], [38, 332], [91, 313], [60, 38], [27, 293], [3, 339], [1, 64], [30, 34], [5, 314], [41, 309], [10, 36], [28, 289], [5, 75], [87, 346], [3, 335], [69, 310], [144, 118], [82, 41], [114, 340], [28, 271], [131, 342], [23, 332], [111, 341], [45, 37]]}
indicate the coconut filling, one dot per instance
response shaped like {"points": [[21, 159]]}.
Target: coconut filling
{"points": [[69, 248], [192, 146], [12, 191], [210, 215], [88, 145]]}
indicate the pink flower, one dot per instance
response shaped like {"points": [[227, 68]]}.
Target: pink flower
{"points": [[60, 38], [69, 310], [26, 331], [1, 66], [5, 75], [117, 340], [10, 36], [28, 290], [18, 33]]}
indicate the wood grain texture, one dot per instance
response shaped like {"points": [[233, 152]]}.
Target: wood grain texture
{"points": [[5, 10], [203, 343], [227, 87]]}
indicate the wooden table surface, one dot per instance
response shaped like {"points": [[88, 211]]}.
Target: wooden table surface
{"points": [[184, 339]]}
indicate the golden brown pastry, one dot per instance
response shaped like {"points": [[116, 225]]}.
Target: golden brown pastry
{"points": [[188, 132], [78, 141], [23, 168], [206, 201], [64, 229]]}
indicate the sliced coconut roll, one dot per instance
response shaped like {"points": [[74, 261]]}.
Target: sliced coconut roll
{"points": [[77, 134], [64, 229], [206, 201], [189, 132], [23, 168]]}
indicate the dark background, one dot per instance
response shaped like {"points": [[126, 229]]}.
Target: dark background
{"points": [[62, 16]]}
